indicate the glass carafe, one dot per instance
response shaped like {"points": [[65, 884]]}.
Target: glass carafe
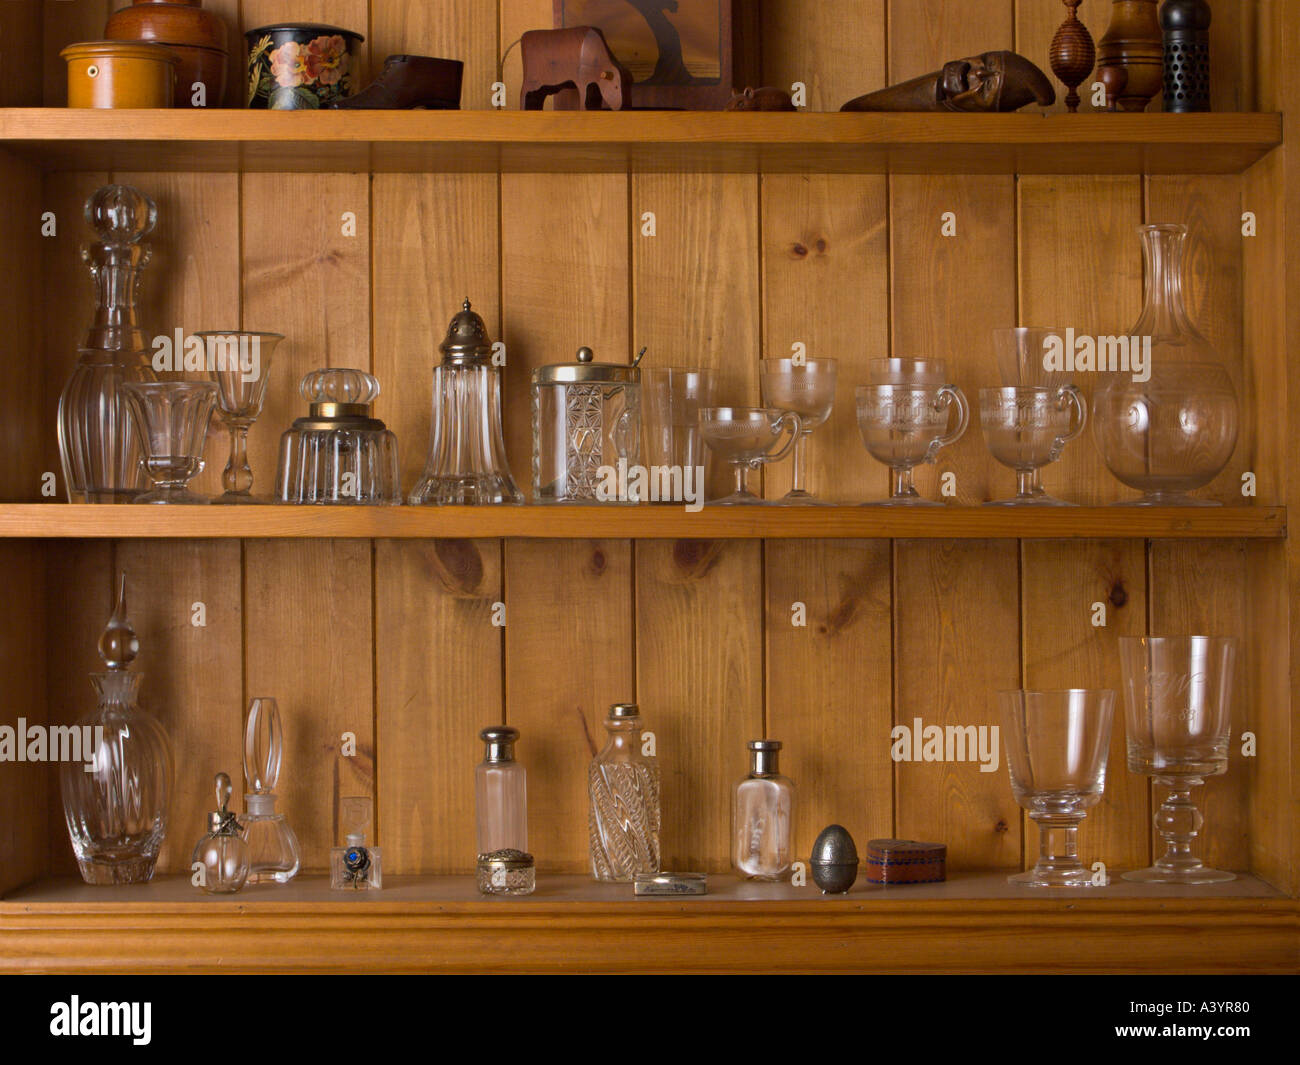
{"points": [[624, 813], [97, 446], [115, 799], [273, 854], [1174, 430]]}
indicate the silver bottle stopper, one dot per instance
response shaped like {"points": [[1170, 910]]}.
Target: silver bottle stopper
{"points": [[221, 822]]}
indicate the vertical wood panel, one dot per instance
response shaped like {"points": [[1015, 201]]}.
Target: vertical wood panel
{"points": [[438, 684], [569, 602], [455, 29], [314, 596], [835, 47], [22, 50], [1199, 588], [193, 684], [516, 18], [925, 34], [1271, 808], [828, 683], [64, 24], [1061, 580], [22, 431]]}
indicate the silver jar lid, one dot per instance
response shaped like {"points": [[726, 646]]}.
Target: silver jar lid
{"points": [[500, 741], [507, 859], [586, 371]]}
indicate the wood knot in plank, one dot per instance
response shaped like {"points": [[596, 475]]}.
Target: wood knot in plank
{"points": [[458, 566], [694, 558], [1118, 593]]}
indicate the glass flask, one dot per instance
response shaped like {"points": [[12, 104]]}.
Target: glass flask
{"points": [[97, 447], [273, 853], [763, 816], [338, 454], [115, 802], [623, 818], [467, 452], [586, 421], [222, 854], [1175, 431], [354, 866]]}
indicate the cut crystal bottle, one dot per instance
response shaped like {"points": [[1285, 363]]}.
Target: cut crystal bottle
{"points": [[115, 801], [272, 845], [624, 814], [763, 816]]}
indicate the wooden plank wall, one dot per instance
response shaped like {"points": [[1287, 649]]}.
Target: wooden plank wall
{"points": [[394, 642]]}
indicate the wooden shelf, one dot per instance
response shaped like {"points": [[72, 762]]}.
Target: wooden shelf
{"points": [[515, 141], [973, 922], [649, 522]]}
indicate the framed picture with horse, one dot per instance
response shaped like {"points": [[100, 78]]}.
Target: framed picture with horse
{"points": [[678, 52]]}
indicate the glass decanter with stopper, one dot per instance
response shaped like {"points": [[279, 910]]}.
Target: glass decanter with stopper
{"points": [[763, 816], [220, 861], [273, 854], [1174, 430], [467, 452], [624, 814], [115, 802], [97, 445], [501, 801]]}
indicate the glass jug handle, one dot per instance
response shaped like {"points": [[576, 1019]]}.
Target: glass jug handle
{"points": [[263, 744], [1070, 395], [789, 419], [949, 395]]}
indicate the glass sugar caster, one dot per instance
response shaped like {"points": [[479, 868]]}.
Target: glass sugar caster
{"points": [[339, 454], [624, 813], [116, 798], [274, 856], [501, 801], [220, 861], [98, 448], [586, 422], [356, 866], [763, 816], [467, 452]]}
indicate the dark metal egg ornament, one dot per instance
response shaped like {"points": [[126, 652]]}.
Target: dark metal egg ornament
{"points": [[834, 860]]}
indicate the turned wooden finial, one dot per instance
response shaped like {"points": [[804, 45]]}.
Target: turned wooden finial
{"points": [[1072, 54]]}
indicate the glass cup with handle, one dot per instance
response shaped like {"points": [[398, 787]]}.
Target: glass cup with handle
{"points": [[906, 425], [747, 437], [1028, 428], [1057, 742], [805, 386]]}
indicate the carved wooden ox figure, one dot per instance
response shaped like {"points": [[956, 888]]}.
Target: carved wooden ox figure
{"points": [[575, 66]]}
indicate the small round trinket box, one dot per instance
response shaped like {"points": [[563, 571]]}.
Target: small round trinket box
{"points": [[834, 860], [297, 66]]}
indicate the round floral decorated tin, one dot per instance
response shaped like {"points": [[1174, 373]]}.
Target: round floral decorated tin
{"points": [[300, 66]]}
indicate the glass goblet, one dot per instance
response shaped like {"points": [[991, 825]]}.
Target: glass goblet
{"points": [[1178, 700], [1056, 757], [747, 438], [905, 425], [1028, 428], [239, 364], [171, 422], [806, 387]]}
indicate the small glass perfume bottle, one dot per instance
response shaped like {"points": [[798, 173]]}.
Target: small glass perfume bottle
{"points": [[273, 848], [354, 866], [501, 796], [220, 859], [623, 818], [762, 816]]}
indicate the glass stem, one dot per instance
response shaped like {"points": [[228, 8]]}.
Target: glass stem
{"points": [[799, 466], [1027, 483], [902, 477], [237, 477], [1178, 821], [1058, 844], [742, 478]]}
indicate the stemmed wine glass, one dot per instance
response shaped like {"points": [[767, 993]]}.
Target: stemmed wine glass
{"points": [[747, 438], [1178, 699], [806, 387], [239, 364], [1057, 743]]}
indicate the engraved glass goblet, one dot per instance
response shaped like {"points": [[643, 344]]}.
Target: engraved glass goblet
{"points": [[1178, 700], [747, 438], [807, 388], [171, 422], [1028, 428], [906, 425], [239, 364], [1056, 756]]}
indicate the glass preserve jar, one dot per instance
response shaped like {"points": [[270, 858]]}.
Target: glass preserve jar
{"points": [[586, 422]]}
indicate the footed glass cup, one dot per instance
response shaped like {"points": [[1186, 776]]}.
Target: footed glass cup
{"points": [[747, 438], [239, 364], [171, 419], [1178, 703], [1057, 743], [906, 425], [807, 388], [1027, 429]]}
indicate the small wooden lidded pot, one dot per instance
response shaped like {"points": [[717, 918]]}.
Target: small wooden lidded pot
{"points": [[118, 74], [905, 861]]}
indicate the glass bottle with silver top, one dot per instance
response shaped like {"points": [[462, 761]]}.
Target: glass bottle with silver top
{"points": [[763, 816], [501, 798], [624, 813], [467, 453], [222, 855]]}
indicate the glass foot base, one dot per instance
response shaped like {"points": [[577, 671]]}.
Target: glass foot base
{"points": [[1167, 499], [1192, 874], [738, 499], [1043, 500], [241, 498], [1073, 877], [902, 501], [801, 499], [124, 871], [173, 495]]}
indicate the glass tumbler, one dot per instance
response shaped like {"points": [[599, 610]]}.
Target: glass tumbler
{"points": [[671, 400], [805, 387], [747, 438], [1178, 702], [171, 422], [1056, 756], [905, 425], [1028, 428]]}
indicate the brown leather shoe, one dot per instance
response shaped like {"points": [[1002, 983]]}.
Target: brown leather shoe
{"points": [[409, 81]]}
